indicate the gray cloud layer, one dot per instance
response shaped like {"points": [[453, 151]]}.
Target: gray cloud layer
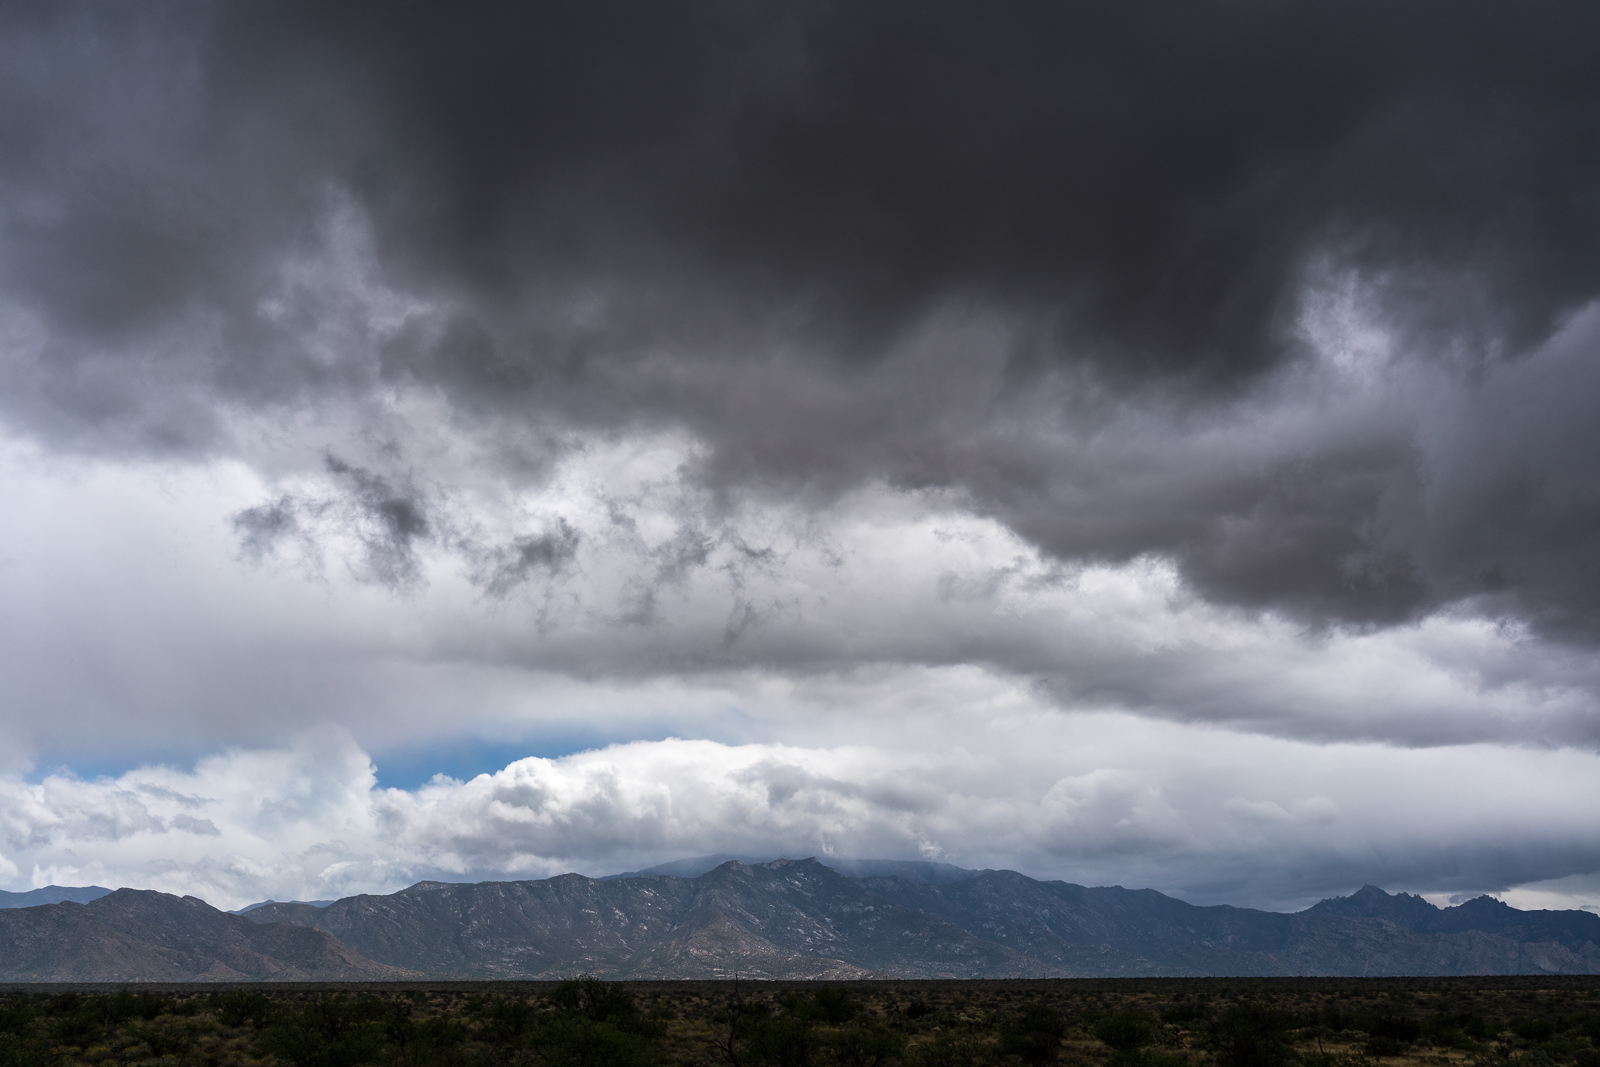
{"points": [[849, 388], [841, 244]]}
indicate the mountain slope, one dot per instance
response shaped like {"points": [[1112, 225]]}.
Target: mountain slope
{"points": [[801, 918], [1116, 931], [1107, 931], [1571, 929], [783, 919], [136, 934], [52, 894], [780, 919]]}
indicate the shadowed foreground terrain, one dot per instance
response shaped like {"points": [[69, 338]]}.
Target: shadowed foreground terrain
{"points": [[1460, 1022]]}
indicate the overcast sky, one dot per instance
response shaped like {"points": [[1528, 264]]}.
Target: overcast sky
{"points": [[1128, 442]]}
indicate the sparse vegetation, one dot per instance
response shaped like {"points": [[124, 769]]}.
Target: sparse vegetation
{"points": [[585, 1022]]}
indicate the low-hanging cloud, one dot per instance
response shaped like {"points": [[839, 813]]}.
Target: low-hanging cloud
{"points": [[782, 612], [310, 821]]}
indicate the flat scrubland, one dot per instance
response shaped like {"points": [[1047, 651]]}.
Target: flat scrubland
{"points": [[1444, 1022]]}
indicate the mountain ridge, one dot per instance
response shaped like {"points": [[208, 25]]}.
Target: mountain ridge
{"points": [[52, 894], [142, 935], [1009, 925], [788, 919]]}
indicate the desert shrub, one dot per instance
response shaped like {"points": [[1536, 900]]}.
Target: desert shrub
{"points": [[1395, 1028], [80, 1026], [1383, 1046], [779, 1041], [593, 999], [1182, 1014], [575, 1040], [833, 1006], [1444, 1031], [507, 1018], [593, 1024], [63, 1003], [16, 1016], [1126, 1031], [237, 1008], [1249, 1035], [438, 1032], [15, 1052], [1034, 1034], [864, 1044], [327, 1033], [185, 1007], [1334, 1059], [1535, 1030], [165, 1040], [945, 1049]]}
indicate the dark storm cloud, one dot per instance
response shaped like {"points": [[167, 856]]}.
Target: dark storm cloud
{"points": [[389, 520], [501, 569], [741, 219], [262, 528]]}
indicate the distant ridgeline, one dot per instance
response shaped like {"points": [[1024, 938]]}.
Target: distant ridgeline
{"points": [[783, 919], [52, 894]]}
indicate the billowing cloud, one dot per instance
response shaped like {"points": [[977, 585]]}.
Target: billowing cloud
{"points": [[800, 376], [834, 246], [628, 579], [1264, 822]]}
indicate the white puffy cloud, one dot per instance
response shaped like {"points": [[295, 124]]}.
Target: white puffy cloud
{"points": [[1205, 814]]}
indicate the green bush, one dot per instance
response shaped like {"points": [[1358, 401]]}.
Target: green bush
{"points": [[238, 1008], [1033, 1034], [593, 999], [592, 1024], [327, 1033], [507, 1018], [1126, 1031], [833, 1006], [1394, 1028], [15, 1052], [1248, 1035], [164, 1040], [1535, 1030], [1182, 1014], [864, 1044], [779, 1041], [945, 1049], [16, 1017]]}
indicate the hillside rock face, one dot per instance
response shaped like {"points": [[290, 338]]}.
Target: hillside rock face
{"points": [[1142, 932], [800, 919], [784, 919], [138, 935]]}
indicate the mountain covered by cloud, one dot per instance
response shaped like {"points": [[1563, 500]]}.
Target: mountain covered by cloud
{"points": [[1139, 441]]}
